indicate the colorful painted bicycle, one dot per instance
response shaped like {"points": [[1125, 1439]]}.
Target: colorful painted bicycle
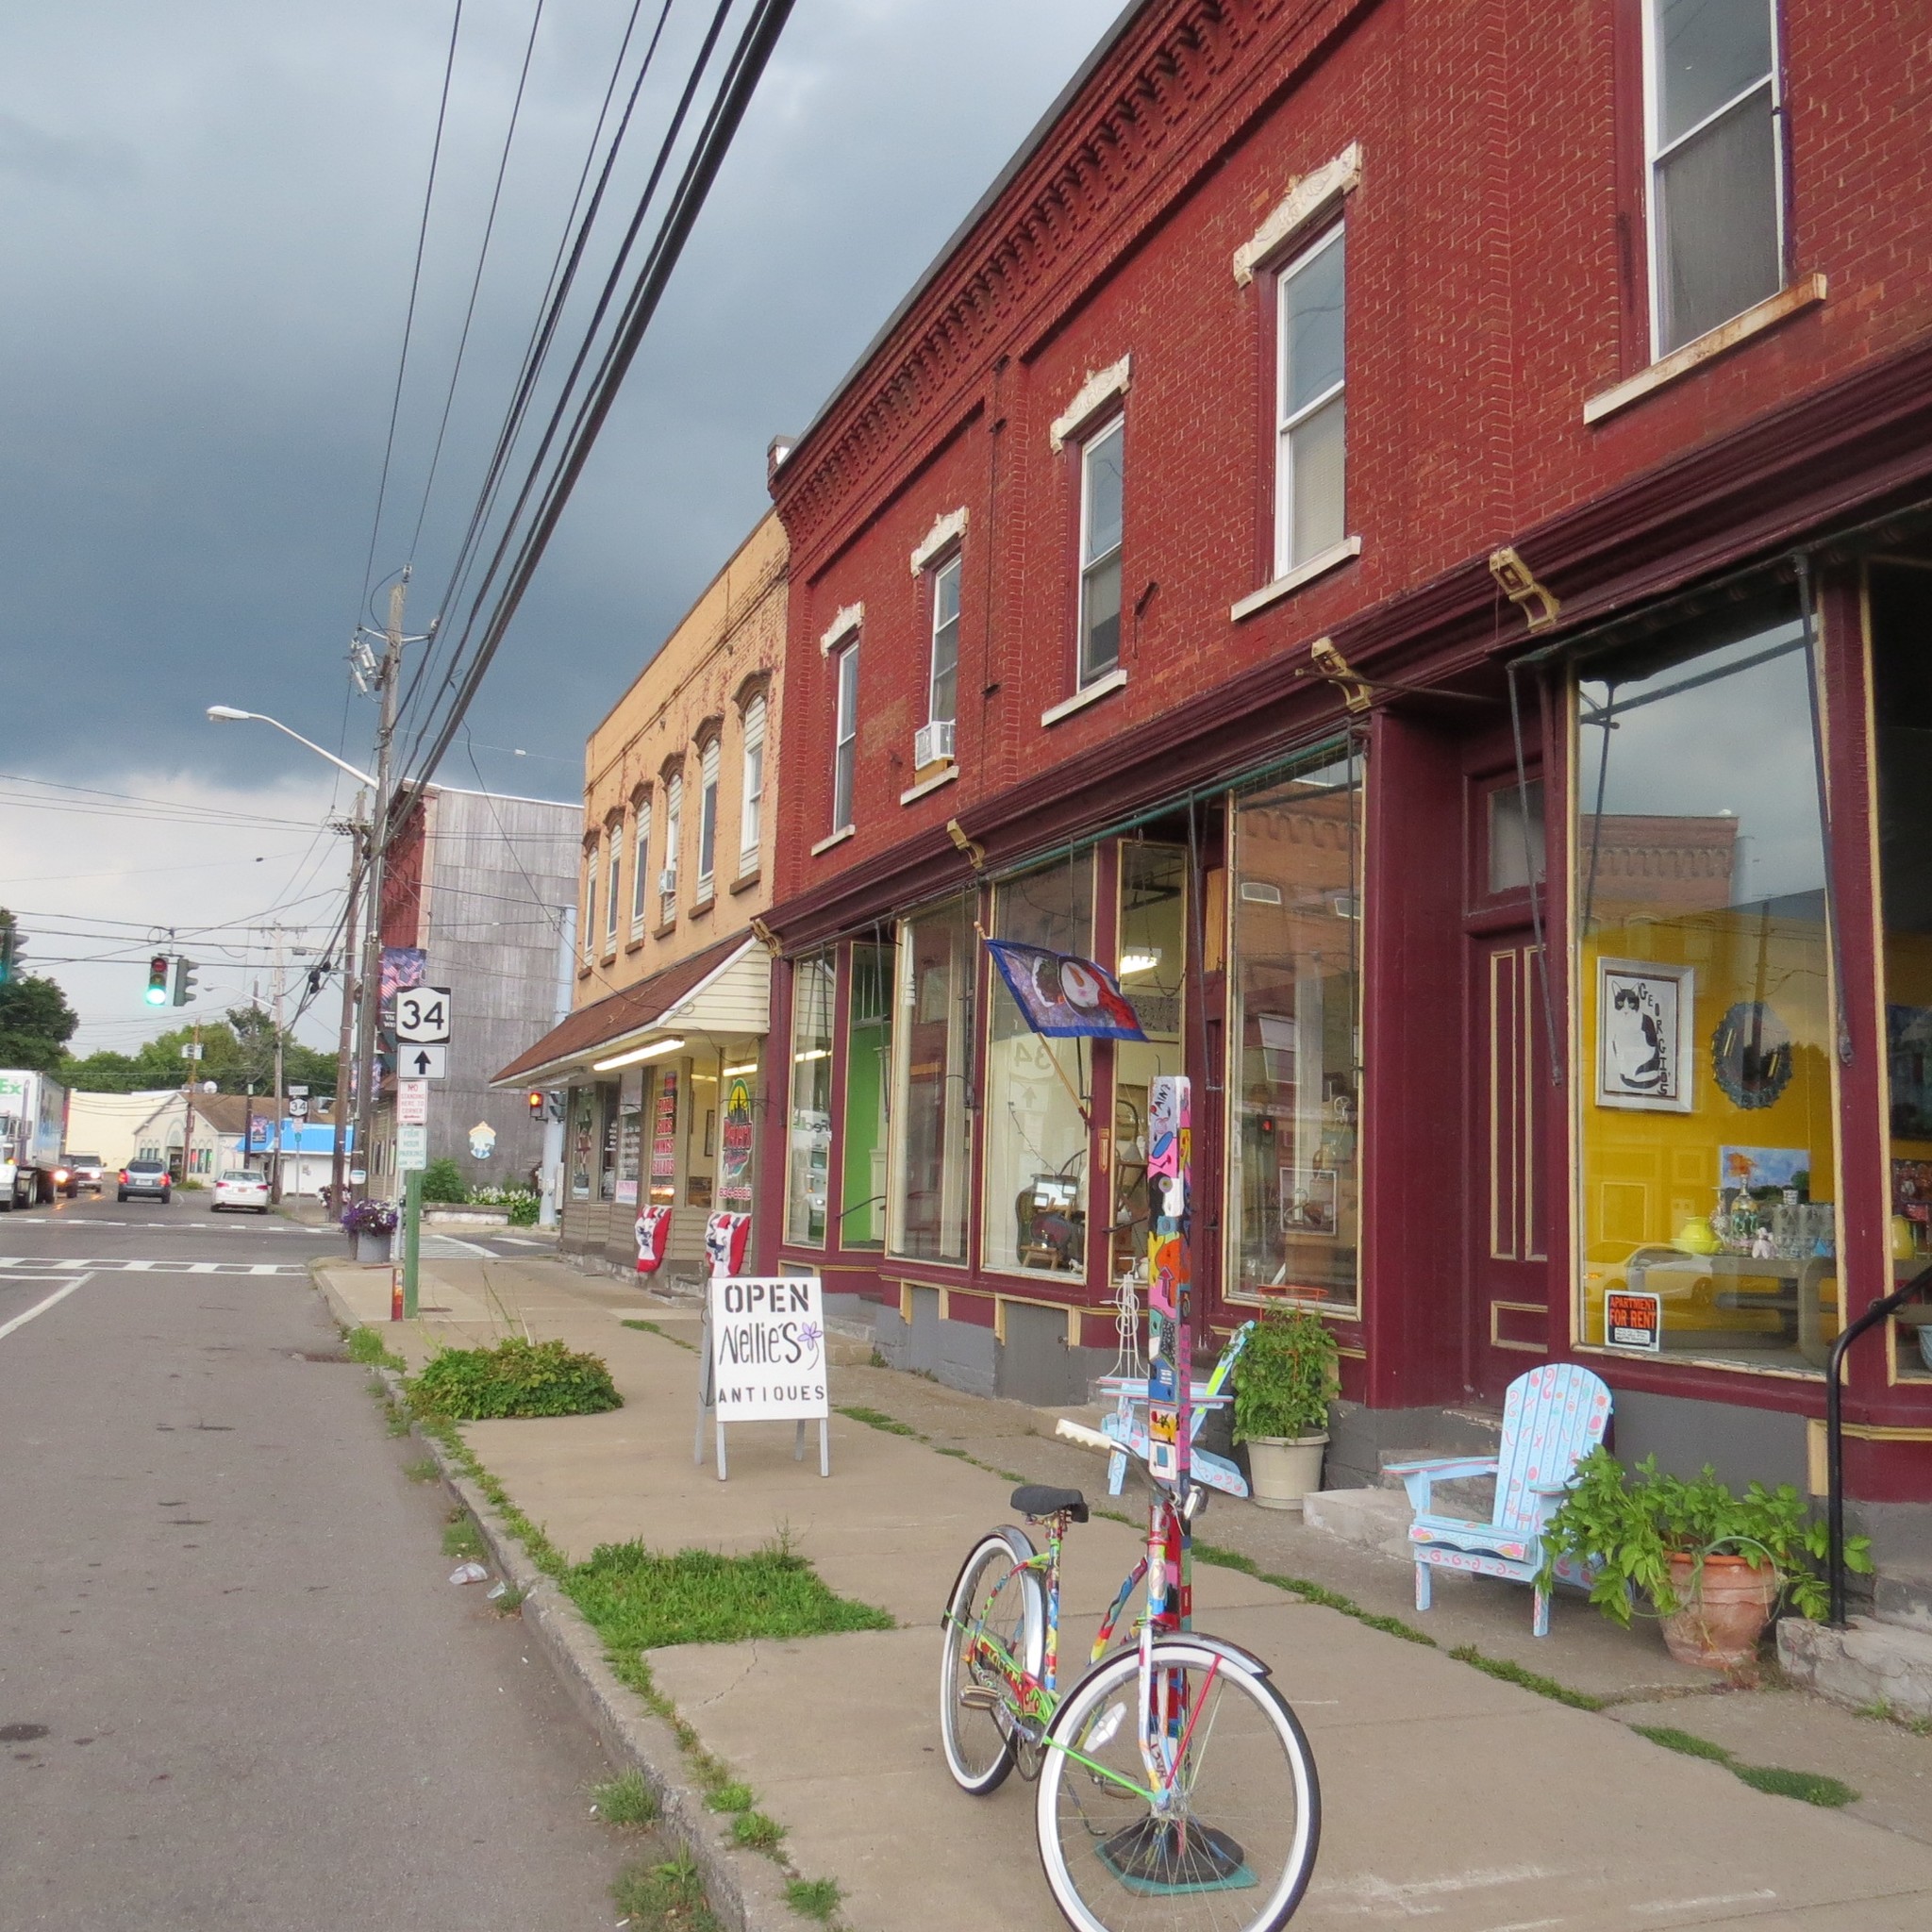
{"points": [[1176, 1787]]}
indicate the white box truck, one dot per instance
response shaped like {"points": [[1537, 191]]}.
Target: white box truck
{"points": [[33, 1128]]}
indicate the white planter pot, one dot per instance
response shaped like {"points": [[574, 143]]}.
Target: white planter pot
{"points": [[1284, 1469]]}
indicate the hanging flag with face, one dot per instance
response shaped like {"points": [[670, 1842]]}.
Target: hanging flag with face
{"points": [[1062, 996]]}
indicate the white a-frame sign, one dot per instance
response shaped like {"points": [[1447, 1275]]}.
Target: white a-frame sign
{"points": [[764, 1359]]}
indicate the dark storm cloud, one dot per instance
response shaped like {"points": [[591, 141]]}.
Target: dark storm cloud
{"points": [[206, 212]]}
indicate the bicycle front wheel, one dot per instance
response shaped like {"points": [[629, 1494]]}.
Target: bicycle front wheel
{"points": [[1227, 1838], [995, 1629]]}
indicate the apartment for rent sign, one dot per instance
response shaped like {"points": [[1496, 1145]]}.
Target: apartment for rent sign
{"points": [[768, 1348]]}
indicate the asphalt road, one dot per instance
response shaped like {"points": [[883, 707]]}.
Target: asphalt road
{"points": [[237, 1687]]}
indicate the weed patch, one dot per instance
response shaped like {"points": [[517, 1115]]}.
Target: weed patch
{"points": [[731, 1797], [877, 1419], [461, 1538], [625, 1799], [1808, 1787], [665, 1897], [1513, 1672], [367, 1348], [507, 1600], [424, 1470], [663, 1334], [817, 1898], [757, 1832], [636, 1600], [514, 1377], [1311, 1592]]}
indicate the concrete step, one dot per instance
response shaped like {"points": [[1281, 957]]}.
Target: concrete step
{"points": [[1867, 1664], [1902, 1597], [1375, 1519]]}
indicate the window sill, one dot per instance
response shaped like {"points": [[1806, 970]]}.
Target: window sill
{"points": [[746, 880], [1317, 566], [669, 927], [1808, 292], [704, 902], [944, 776], [1112, 681], [838, 838], [635, 943]]}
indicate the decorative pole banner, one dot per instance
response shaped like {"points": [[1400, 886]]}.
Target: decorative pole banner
{"points": [[725, 1235], [1170, 1332], [1064, 996], [653, 1231]]}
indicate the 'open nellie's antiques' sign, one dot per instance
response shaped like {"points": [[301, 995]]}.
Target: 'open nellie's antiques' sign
{"points": [[768, 1348]]}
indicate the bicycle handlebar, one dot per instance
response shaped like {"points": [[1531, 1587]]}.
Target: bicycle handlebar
{"points": [[1085, 1437]]}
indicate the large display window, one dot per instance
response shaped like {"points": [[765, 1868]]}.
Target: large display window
{"points": [[1035, 1153], [1704, 1088], [1295, 991], [808, 1161], [931, 1047], [1152, 969], [868, 1082]]}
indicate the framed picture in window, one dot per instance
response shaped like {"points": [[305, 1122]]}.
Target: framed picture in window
{"points": [[1645, 1034]]}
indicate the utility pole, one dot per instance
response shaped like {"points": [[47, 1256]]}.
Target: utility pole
{"points": [[345, 1046], [274, 1181], [387, 676], [188, 1107]]}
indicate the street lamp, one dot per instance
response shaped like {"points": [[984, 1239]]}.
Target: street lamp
{"points": [[225, 715]]}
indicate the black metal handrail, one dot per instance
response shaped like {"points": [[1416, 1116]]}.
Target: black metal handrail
{"points": [[1835, 1435]]}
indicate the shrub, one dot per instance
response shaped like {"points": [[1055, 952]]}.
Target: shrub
{"points": [[1285, 1377], [514, 1378], [441, 1182]]}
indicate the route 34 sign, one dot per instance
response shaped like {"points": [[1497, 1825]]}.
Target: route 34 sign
{"points": [[422, 1015]]}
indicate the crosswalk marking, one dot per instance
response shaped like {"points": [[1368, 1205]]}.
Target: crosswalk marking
{"points": [[10, 1263]]}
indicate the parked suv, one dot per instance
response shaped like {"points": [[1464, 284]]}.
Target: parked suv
{"points": [[145, 1177], [85, 1171]]}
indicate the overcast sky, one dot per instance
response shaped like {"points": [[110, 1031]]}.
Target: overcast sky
{"points": [[208, 212]]}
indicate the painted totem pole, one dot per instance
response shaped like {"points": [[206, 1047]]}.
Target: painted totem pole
{"points": [[1169, 1335]]}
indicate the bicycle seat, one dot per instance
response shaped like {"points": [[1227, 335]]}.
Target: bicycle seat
{"points": [[1041, 1499]]}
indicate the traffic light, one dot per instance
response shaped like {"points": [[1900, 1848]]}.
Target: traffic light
{"points": [[157, 994], [184, 981], [9, 949], [538, 1105]]}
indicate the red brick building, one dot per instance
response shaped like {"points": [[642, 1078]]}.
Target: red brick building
{"points": [[1401, 529]]}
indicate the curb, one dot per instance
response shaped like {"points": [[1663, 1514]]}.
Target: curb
{"points": [[746, 1890]]}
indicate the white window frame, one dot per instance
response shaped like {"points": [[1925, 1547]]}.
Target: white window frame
{"points": [[1654, 155], [590, 904], [613, 841], [845, 736], [750, 813], [1286, 423], [674, 837], [640, 861], [708, 763], [1115, 426], [938, 572]]}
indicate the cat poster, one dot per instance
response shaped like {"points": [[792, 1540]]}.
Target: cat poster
{"points": [[1645, 1034]]}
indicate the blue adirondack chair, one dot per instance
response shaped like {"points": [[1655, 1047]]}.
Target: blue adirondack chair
{"points": [[1552, 1418]]}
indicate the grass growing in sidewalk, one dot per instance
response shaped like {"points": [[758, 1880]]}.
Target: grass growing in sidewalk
{"points": [[1808, 1787], [665, 1897], [877, 1419], [817, 1898], [424, 1470], [625, 1799], [369, 1348], [1310, 1591], [1513, 1672], [461, 1538], [638, 1600], [757, 1832], [664, 1334]]}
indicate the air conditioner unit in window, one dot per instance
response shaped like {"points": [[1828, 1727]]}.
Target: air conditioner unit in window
{"points": [[932, 744], [667, 883]]}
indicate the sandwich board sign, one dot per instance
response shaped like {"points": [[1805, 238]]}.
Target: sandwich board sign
{"points": [[763, 1359]]}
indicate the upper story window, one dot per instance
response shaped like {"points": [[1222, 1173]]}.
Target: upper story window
{"points": [[845, 736], [641, 865], [707, 817], [589, 901], [751, 810], [1309, 429], [674, 821], [615, 845], [1101, 493], [1712, 141], [943, 689]]}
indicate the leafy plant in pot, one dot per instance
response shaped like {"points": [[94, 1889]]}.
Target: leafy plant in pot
{"points": [[1713, 1565], [372, 1226], [1283, 1384]]}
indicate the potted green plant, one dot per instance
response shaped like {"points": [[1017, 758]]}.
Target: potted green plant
{"points": [[1283, 1384], [1713, 1565], [372, 1226]]}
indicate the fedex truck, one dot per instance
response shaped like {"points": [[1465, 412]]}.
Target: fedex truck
{"points": [[33, 1126]]}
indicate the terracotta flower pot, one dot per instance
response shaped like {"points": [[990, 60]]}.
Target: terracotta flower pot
{"points": [[1723, 1616]]}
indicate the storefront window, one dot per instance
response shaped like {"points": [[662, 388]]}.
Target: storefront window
{"points": [[1901, 609], [583, 1140], [630, 1137], [737, 1139], [931, 1066], [1151, 969], [814, 983], [701, 1133], [1036, 1140], [607, 1140], [868, 1051], [1704, 1081], [664, 1137], [1295, 991]]}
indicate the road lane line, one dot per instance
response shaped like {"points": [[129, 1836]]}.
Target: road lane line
{"points": [[60, 1294]]}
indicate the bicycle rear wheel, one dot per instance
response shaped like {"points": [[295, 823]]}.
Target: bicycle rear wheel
{"points": [[996, 1621], [1230, 1851]]}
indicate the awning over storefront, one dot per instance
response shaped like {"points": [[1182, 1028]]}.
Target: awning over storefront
{"points": [[722, 992]]}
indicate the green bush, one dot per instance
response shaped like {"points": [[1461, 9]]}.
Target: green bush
{"points": [[514, 1378], [441, 1182], [1285, 1377], [523, 1211]]}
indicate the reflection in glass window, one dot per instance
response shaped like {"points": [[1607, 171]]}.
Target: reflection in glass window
{"points": [[1902, 703], [1295, 972], [942, 697], [1517, 852], [868, 1056], [931, 1064], [1703, 1070], [1035, 1157], [1310, 421], [1151, 972], [809, 1159], [1101, 522]]}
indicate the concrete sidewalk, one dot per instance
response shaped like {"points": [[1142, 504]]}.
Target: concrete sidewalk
{"points": [[1447, 1796]]}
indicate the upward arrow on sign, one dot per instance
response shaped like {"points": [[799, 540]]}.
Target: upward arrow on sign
{"points": [[422, 1063]]}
